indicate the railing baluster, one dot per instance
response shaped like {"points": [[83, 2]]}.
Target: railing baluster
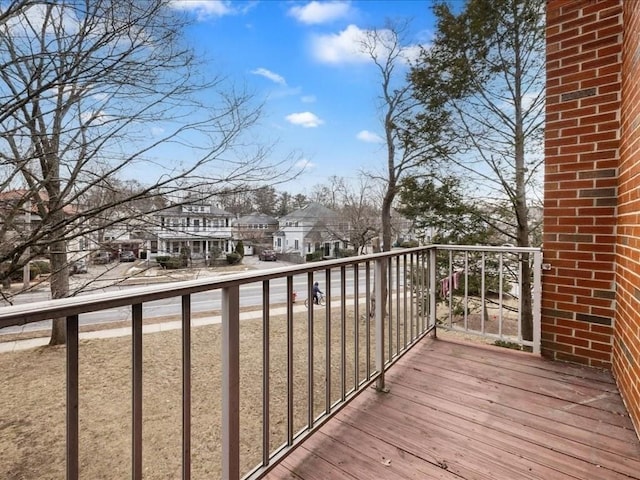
{"points": [[367, 275], [356, 325], [379, 313], [389, 309], [432, 271], [265, 374], [327, 323], [343, 333], [466, 289], [136, 337], [412, 292], [72, 398], [186, 387], [231, 383], [521, 296], [404, 296], [290, 357], [398, 348], [537, 301], [310, 368], [482, 294], [500, 289]]}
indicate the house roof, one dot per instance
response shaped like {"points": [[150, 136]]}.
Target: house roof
{"points": [[311, 212], [177, 210], [14, 196], [256, 218]]}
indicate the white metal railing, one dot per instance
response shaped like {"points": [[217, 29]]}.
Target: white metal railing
{"points": [[391, 299]]}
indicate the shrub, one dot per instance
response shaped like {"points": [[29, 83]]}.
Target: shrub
{"points": [[240, 248], [174, 263], [162, 260], [315, 256], [43, 266], [233, 258], [410, 244]]}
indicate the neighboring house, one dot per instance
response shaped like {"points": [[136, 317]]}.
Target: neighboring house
{"points": [[200, 227], [310, 229], [403, 229], [131, 234], [255, 230], [19, 217]]}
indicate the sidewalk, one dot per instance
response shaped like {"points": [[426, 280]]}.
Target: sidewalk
{"points": [[250, 263]]}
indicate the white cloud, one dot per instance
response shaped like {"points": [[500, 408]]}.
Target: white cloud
{"points": [[343, 47], [308, 99], [320, 12], [157, 131], [348, 46], [304, 119], [204, 8], [369, 137], [305, 164], [274, 77]]}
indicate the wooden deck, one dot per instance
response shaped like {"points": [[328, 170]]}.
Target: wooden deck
{"points": [[461, 411]]}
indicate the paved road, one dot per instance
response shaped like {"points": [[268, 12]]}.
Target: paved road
{"points": [[250, 295]]}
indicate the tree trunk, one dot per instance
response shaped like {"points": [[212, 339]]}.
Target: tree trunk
{"points": [[59, 283]]}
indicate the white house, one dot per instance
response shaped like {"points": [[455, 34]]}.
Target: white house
{"points": [[201, 227], [311, 229]]}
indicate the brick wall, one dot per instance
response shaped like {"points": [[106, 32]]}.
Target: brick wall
{"points": [[626, 347], [584, 45]]}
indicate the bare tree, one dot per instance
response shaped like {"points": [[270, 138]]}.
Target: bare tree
{"points": [[407, 149], [91, 91], [486, 70]]}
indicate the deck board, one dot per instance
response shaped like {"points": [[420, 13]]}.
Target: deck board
{"points": [[462, 411]]}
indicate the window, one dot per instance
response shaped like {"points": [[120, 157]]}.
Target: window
{"points": [[279, 242], [296, 245]]}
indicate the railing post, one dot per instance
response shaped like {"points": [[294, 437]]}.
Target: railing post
{"points": [[380, 281], [72, 398], [537, 301], [432, 289], [231, 383]]}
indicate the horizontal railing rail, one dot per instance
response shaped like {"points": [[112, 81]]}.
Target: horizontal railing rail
{"points": [[377, 307]]}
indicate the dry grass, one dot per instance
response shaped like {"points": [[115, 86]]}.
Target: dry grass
{"points": [[32, 398], [32, 425]]}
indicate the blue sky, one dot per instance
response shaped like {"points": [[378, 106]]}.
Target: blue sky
{"points": [[301, 59]]}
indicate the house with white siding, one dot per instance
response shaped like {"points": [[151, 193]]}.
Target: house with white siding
{"points": [[313, 228]]}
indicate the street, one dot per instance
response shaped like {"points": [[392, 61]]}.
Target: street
{"points": [[250, 295]]}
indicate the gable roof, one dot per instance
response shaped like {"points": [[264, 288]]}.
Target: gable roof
{"points": [[313, 212], [256, 218]]}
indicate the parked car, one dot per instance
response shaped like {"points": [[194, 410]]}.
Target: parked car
{"points": [[79, 266], [268, 255], [127, 256], [102, 257]]}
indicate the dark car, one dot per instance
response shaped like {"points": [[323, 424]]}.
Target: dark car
{"points": [[268, 255], [127, 256], [102, 257], [79, 266]]}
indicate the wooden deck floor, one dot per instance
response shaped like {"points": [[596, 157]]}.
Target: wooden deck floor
{"points": [[460, 411]]}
